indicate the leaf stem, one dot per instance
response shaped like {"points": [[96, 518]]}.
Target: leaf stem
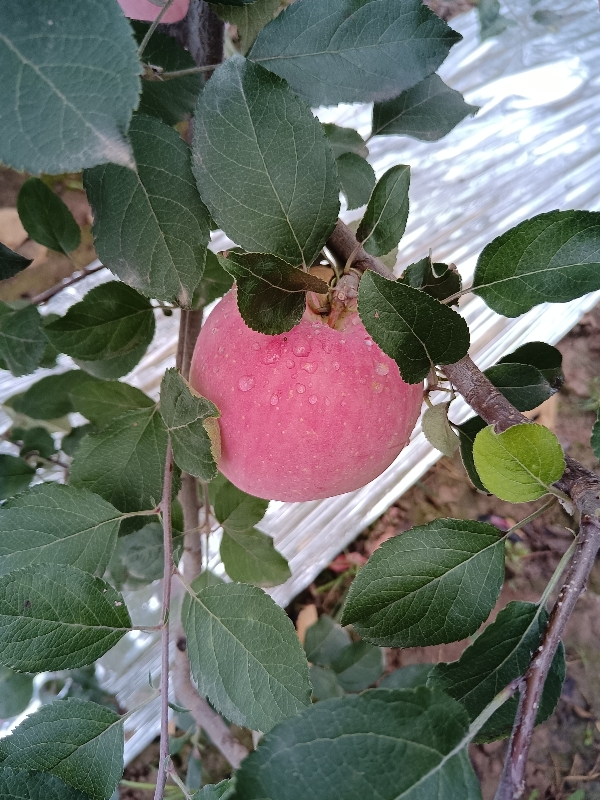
{"points": [[75, 278], [530, 517], [153, 27], [164, 674], [180, 73], [177, 780]]}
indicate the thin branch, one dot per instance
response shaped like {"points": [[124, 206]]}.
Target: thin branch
{"points": [[153, 27], [166, 604], [154, 74], [44, 296]]}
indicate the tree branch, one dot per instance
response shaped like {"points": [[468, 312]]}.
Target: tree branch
{"points": [[75, 278]]}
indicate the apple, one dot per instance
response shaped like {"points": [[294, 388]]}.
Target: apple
{"points": [[307, 414], [149, 11]]}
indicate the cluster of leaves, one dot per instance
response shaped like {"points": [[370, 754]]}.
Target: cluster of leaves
{"points": [[263, 169]]}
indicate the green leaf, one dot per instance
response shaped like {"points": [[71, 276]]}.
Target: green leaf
{"points": [[237, 511], [72, 440], [15, 475], [324, 641], [125, 462], [173, 100], [523, 385], [19, 784], [491, 21], [55, 616], [33, 441], [216, 791], [324, 683], [68, 88], [46, 218], [343, 51], [245, 655], [50, 398], [358, 666], [437, 430], [408, 677], [543, 356], [384, 744], [214, 284], [102, 401], [60, 525], [113, 368], [11, 263], [499, 655], [357, 179], [438, 280], [428, 111], [426, 587], [466, 434], [263, 165], [142, 552], [16, 689], [248, 19], [22, 339], [271, 294], [191, 421], [150, 226], [111, 320], [250, 557], [554, 257], [385, 218], [414, 329], [520, 464], [345, 140], [78, 741]]}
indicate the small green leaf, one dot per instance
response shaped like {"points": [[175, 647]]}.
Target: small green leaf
{"points": [[50, 397], [345, 140], [437, 429], [125, 462], [543, 356], [173, 100], [385, 745], [271, 294], [16, 689], [60, 525], [553, 258], [520, 464], [111, 320], [245, 655], [46, 218], [191, 421], [357, 179], [102, 401], [72, 440], [425, 587], [214, 284], [499, 655], [33, 441], [522, 385], [263, 165], [250, 557], [324, 683], [54, 616], [150, 226], [428, 111], [248, 19], [438, 280], [466, 434], [19, 784], [358, 666], [65, 107], [343, 51], [491, 21], [11, 263], [217, 791], [22, 339], [324, 641], [408, 677], [237, 511], [113, 368], [15, 475], [414, 329], [78, 741], [142, 552], [385, 218]]}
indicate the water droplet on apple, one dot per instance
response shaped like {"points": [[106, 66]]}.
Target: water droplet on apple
{"points": [[256, 346], [274, 399], [312, 399], [221, 349], [327, 401], [377, 387], [326, 347], [310, 367], [270, 358], [246, 383], [214, 330], [289, 363], [301, 348], [215, 370], [355, 320], [369, 342], [335, 365], [300, 388], [381, 369]]}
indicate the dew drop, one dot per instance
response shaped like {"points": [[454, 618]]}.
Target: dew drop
{"points": [[274, 399], [270, 358], [343, 341], [377, 388], [301, 348], [312, 399], [290, 364], [355, 320], [294, 375], [221, 349], [214, 330], [326, 347], [376, 315], [310, 367], [381, 369], [327, 401], [335, 365], [300, 388], [256, 346], [215, 370], [343, 403], [369, 342], [246, 383]]}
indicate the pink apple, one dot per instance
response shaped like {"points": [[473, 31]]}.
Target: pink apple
{"points": [[304, 415], [146, 10]]}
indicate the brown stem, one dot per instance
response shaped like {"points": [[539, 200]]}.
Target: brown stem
{"points": [[79, 276], [164, 643]]}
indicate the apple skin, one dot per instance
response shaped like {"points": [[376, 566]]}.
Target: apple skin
{"points": [[147, 11], [307, 414]]}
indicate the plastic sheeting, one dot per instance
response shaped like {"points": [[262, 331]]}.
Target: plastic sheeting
{"points": [[532, 147]]}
